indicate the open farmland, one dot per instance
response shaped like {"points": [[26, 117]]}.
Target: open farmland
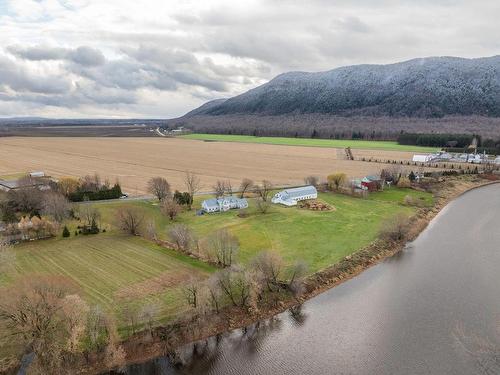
{"points": [[114, 270], [312, 142], [133, 161]]}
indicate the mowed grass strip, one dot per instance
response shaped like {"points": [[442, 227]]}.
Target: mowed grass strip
{"points": [[333, 143], [106, 263]]}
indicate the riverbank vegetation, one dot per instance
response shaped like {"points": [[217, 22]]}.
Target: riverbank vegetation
{"points": [[176, 279]]}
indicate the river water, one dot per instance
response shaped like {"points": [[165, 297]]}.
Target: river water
{"points": [[432, 309]]}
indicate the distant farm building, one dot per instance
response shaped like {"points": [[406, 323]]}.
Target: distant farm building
{"points": [[290, 197], [372, 183], [223, 204], [37, 174], [422, 158], [33, 179]]}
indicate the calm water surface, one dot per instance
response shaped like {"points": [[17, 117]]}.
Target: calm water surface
{"points": [[417, 313]]}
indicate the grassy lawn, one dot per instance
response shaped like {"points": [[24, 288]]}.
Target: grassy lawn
{"points": [[13, 176], [114, 270], [318, 238], [334, 143]]}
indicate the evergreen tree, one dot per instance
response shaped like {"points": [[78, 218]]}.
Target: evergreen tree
{"points": [[65, 232], [412, 176]]}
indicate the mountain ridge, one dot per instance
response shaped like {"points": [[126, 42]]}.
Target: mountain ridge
{"points": [[422, 87]]}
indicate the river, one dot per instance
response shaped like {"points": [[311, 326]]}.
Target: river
{"points": [[432, 309]]}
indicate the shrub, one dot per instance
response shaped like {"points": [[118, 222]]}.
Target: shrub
{"points": [[113, 193], [396, 229], [404, 182], [65, 232]]}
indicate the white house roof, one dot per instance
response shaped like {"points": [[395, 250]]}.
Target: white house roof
{"points": [[214, 202], [211, 202], [300, 191]]}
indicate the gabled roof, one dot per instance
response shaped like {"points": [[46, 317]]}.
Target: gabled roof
{"points": [[214, 202], [300, 191], [211, 202]]}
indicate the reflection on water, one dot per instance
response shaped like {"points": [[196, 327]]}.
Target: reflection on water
{"points": [[434, 308]]}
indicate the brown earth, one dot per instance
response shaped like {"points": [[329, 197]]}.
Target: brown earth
{"points": [[133, 161]]}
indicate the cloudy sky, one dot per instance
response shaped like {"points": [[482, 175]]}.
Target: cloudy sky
{"points": [[131, 58]]}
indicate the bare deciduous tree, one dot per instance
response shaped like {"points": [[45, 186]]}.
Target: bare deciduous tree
{"points": [[89, 213], [7, 259], [269, 267], [159, 187], [311, 180], [33, 310], [392, 174], [96, 324], [191, 292], [170, 208], [26, 198], [56, 205], [75, 310], [214, 293], [224, 246], [67, 185], [262, 205], [193, 185], [148, 315], [235, 284], [129, 220], [219, 188], [150, 231], [246, 184], [264, 190], [130, 314], [298, 272], [182, 236]]}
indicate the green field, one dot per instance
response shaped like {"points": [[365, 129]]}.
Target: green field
{"points": [[318, 238], [334, 143], [114, 270]]}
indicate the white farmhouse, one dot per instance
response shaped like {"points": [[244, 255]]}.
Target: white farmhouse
{"points": [[223, 204], [290, 197]]}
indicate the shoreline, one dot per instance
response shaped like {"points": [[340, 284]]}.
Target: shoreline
{"points": [[143, 346]]}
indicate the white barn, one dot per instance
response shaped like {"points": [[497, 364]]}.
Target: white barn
{"points": [[290, 197], [223, 204], [422, 158]]}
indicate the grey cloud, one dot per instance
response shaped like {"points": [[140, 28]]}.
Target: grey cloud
{"points": [[83, 55], [353, 24], [17, 78], [86, 56], [83, 95], [37, 53]]}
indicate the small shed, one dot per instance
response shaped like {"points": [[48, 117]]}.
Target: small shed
{"points": [[372, 183], [37, 174]]}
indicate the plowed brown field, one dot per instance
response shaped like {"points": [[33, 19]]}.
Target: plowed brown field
{"points": [[133, 161]]}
